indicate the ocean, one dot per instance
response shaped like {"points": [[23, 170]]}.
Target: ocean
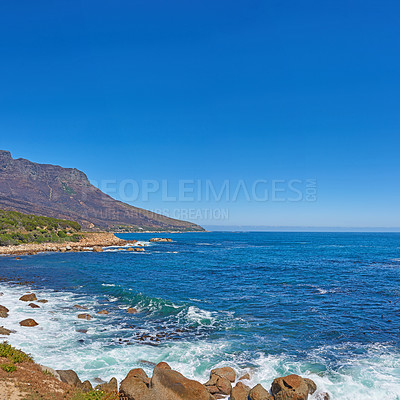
{"points": [[322, 305]]}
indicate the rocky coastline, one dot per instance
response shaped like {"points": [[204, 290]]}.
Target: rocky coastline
{"points": [[90, 240], [164, 384]]}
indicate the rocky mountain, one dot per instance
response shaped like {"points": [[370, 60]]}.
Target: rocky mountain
{"points": [[50, 190]]}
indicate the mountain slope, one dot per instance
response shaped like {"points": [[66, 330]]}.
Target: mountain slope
{"points": [[50, 190]]}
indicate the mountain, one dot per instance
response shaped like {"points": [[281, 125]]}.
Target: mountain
{"points": [[66, 193]]}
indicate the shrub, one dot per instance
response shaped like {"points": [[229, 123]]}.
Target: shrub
{"points": [[14, 355], [95, 395], [8, 367]]}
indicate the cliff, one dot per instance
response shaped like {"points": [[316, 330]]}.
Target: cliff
{"points": [[66, 193]]}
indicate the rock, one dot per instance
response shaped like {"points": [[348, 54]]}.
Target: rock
{"points": [[259, 393], [28, 322], [312, 387], [245, 377], [43, 301], [97, 249], [85, 386], [33, 305], [63, 249], [225, 372], [129, 249], [17, 258], [88, 317], [80, 307], [220, 381], [323, 396], [240, 392], [131, 310], [69, 377], [160, 240], [51, 371], [4, 331], [110, 387], [291, 387], [28, 297], [4, 312], [163, 365], [136, 386], [102, 312], [167, 384], [68, 248], [138, 249]]}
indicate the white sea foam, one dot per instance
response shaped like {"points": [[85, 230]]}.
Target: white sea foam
{"points": [[373, 373]]}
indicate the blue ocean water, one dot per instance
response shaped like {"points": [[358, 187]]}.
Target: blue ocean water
{"points": [[324, 305]]}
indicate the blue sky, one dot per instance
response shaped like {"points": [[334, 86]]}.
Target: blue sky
{"points": [[213, 91]]}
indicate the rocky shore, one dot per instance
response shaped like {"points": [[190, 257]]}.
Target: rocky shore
{"points": [[95, 240], [21, 375]]}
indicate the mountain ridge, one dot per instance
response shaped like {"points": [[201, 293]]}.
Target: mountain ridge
{"points": [[55, 191]]}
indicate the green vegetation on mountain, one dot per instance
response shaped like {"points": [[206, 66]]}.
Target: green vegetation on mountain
{"points": [[18, 228]]}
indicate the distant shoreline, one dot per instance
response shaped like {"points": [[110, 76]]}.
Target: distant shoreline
{"points": [[90, 239]]}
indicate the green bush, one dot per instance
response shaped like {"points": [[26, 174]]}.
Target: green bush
{"points": [[8, 367], [95, 395], [14, 355]]}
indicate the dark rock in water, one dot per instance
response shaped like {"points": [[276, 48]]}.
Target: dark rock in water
{"points": [[3, 312], [323, 396], [33, 305], [17, 258], [97, 249], [103, 312], [88, 317], [145, 362], [28, 322], [43, 301], [28, 297], [245, 377], [240, 392], [169, 384], [82, 330], [80, 307], [291, 387], [138, 249], [160, 240], [131, 310], [4, 331], [259, 393], [110, 387]]}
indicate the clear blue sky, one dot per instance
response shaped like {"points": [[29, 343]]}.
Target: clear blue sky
{"points": [[213, 90]]}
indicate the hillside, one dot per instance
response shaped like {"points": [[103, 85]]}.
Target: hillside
{"points": [[17, 228], [66, 193]]}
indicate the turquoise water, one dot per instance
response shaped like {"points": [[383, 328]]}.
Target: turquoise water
{"points": [[324, 305]]}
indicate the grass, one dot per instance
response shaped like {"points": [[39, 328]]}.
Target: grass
{"points": [[14, 355], [18, 228], [95, 395]]}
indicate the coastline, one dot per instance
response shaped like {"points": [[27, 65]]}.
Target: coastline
{"points": [[90, 240], [22, 376]]}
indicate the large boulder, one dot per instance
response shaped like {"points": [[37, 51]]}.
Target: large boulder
{"points": [[69, 377], [136, 386], [3, 312], [220, 380], [167, 384], [240, 392], [291, 387], [259, 393], [28, 297], [86, 316], [28, 322]]}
